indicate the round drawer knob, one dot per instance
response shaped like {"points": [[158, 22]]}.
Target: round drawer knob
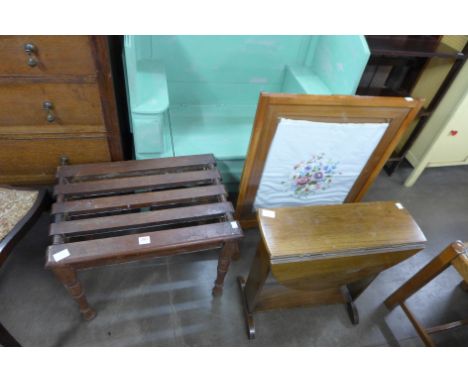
{"points": [[48, 106], [32, 62], [31, 50]]}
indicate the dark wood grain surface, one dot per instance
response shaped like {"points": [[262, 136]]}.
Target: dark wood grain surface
{"points": [[136, 182], [411, 46], [135, 219], [325, 254], [130, 201], [109, 213], [127, 167], [335, 229], [128, 245]]}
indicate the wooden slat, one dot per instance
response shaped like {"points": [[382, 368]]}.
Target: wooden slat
{"points": [[127, 247], [94, 169], [448, 326], [138, 200], [141, 218], [137, 182]]}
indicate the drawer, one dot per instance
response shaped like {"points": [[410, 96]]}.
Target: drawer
{"points": [[50, 56], [30, 161], [23, 104]]}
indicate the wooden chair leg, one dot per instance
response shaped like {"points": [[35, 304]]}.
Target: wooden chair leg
{"points": [[426, 274], [224, 261], [417, 326], [6, 339], [67, 276], [421, 278]]}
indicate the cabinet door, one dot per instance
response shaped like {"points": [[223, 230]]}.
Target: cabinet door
{"points": [[451, 146], [43, 56]]}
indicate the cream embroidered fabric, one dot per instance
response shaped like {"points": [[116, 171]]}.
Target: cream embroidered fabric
{"points": [[315, 162], [14, 205]]}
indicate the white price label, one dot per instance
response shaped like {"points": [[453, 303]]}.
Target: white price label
{"points": [[269, 213], [144, 240], [61, 255]]}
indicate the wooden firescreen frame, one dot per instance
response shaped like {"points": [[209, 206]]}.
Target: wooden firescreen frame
{"points": [[397, 112]]}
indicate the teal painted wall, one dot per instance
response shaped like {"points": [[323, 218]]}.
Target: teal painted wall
{"points": [[198, 94], [226, 69], [339, 62]]}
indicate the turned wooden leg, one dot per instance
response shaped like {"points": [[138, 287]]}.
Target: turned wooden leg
{"points": [[67, 276], [235, 252], [224, 261]]}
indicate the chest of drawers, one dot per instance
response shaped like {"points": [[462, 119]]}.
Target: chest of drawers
{"points": [[56, 99]]}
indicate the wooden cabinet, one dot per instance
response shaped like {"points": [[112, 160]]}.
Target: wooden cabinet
{"points": [[56, 99], [417, 66], [444, 140]]}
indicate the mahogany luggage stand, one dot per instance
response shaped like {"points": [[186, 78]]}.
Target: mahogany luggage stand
{"points": [[125, 211], [325, 254], [456, 254]]}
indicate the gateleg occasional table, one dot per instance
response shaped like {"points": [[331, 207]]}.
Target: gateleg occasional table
{"points": [[133, 210], [325, 254]]}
